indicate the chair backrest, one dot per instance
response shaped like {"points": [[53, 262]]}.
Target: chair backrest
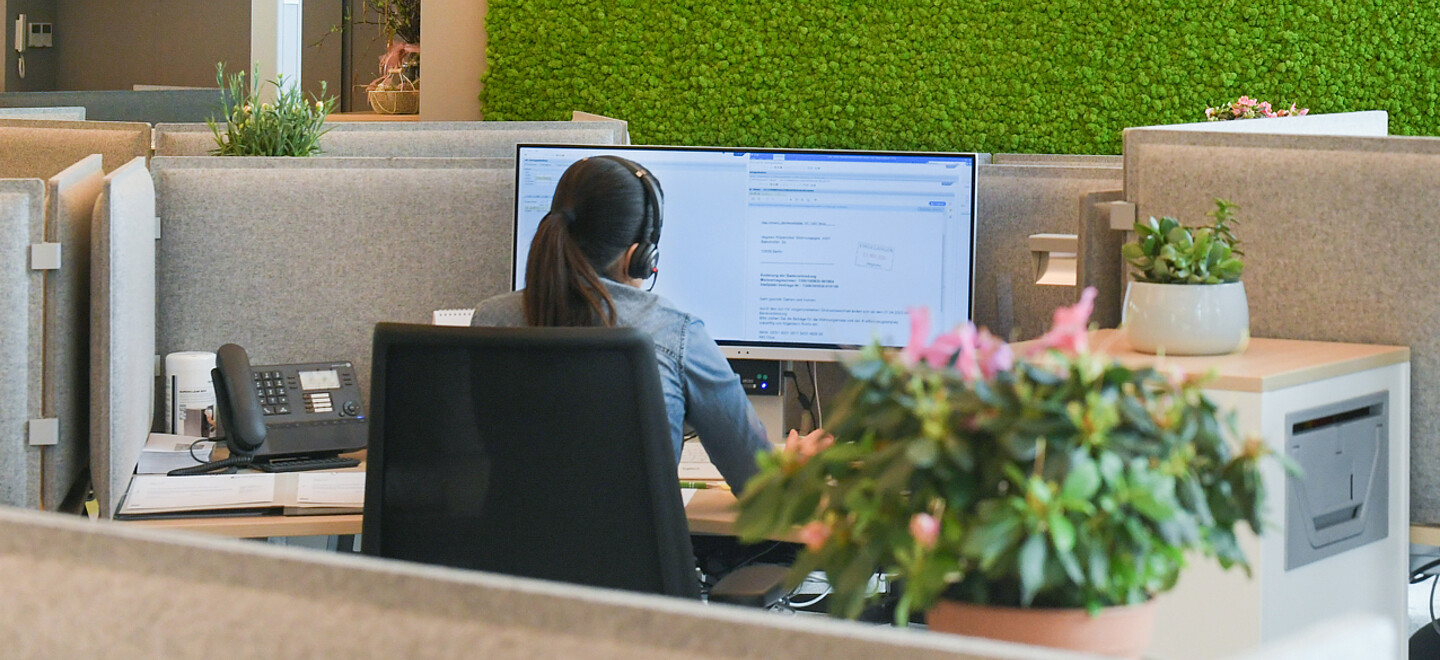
{"points": [[540, 452]]}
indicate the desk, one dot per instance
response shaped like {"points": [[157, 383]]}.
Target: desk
{"points": [[710, 511]]}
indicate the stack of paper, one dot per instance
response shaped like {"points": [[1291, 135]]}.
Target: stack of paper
{"points": [[164, 452], [306, 492]]}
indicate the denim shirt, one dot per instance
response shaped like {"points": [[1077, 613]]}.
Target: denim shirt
{"points": [[698, 384]]}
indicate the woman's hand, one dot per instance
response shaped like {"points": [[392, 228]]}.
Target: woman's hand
{"points": [[809, 444]]}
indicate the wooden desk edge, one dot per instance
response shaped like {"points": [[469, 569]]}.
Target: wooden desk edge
{"points": [[1425, 535], [260, 526], [710, 511]]}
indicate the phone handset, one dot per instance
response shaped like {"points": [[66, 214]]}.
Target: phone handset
{"points": [[236, 404], [237, 409]]}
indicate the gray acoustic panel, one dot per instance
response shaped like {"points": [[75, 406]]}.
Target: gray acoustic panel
{"points": [[150, 106], [1080, 160], [297, 259], [122, 336], [40, 148], [1016, 201], [70, 113], [1339, 236], [457, 139], [70, 204], [22, 223], [141, 592], [1100, 263]]}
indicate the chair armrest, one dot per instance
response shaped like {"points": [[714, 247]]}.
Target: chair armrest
{"points": [[758, 585]]}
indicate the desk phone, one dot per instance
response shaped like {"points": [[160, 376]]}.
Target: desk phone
{"points": [[308, 406]]}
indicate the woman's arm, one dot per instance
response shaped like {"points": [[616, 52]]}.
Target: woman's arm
{"points": [[716, 407]]}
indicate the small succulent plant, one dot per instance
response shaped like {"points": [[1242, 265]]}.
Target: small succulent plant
{"points": [[1167, 252]]}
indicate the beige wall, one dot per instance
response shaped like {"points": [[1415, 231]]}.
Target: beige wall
{"points": [[115, 44], [452, 57]]}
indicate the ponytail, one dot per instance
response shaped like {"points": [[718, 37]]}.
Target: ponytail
{"points": [[561, 286]]}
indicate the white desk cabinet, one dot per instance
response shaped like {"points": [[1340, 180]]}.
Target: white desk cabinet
{"points": [[1214, 613]]}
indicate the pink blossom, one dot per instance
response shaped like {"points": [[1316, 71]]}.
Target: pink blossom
{"points": [[995, 355], [946, 345], [1303, 111], [814, 535], [919, 333], [925, 528], [1245, 101], [1068, 334]]}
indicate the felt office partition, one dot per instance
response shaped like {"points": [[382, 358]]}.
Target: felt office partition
{"points": [[1338, 234], [150, 106], [297, 259], [71, 113], [70, 203], [1099, 261], [1016, 201], [1082, 160], [22, 218], [141, 593], [469, 139], [38, 148], [122, 336]]}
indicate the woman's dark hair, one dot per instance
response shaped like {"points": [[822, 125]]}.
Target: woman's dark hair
{"points": [[594, 217]]}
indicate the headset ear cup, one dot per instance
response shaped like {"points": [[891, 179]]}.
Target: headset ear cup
{"points": [[643, 261]]}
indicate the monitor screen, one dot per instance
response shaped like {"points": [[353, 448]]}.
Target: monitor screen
{"points": [[794, 254]]}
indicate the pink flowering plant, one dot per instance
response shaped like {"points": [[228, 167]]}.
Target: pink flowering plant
{"points": [[1248, 108], [1042, 476]]}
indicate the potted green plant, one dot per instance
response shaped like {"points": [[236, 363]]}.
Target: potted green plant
{"points": [[1186, 297], [1058, 484], [289, 126]]}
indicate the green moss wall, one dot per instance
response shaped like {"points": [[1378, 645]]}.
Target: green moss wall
{"points": [[1044, 76]]}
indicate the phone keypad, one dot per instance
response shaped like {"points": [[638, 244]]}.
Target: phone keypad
{"points": [[271, 387]]}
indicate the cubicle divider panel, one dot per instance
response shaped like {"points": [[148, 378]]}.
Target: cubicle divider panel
{"points": [[1099, 262], [1071, 160], [456, 139], [70, 204], [149, 106], [1339, 240], [1016, 201], [22, 223], [40, 148], [68, 113], [298, 259], [140, 592], [122, 335]]}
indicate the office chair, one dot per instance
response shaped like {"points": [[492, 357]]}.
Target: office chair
{"points": [[539, 452]]}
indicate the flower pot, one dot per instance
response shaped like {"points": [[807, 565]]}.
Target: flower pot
{"points": [[1186, 319], [1115, 631]]}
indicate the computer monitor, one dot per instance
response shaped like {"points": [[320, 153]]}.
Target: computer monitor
{"points": [[794, 254]]}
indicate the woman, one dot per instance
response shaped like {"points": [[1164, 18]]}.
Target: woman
{"points": [[590, 255]]}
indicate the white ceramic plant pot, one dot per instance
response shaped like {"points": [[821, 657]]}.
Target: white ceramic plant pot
{"points": [[1186, 319]]}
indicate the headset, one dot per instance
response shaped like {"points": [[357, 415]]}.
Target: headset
{"points": [[645, 262]]}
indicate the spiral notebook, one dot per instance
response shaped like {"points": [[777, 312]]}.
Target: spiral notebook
{"points": [[460, 317]]}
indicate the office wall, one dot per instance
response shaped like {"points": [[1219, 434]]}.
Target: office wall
{"points": [[1047, 76], [40, 63], [115, 44]]}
